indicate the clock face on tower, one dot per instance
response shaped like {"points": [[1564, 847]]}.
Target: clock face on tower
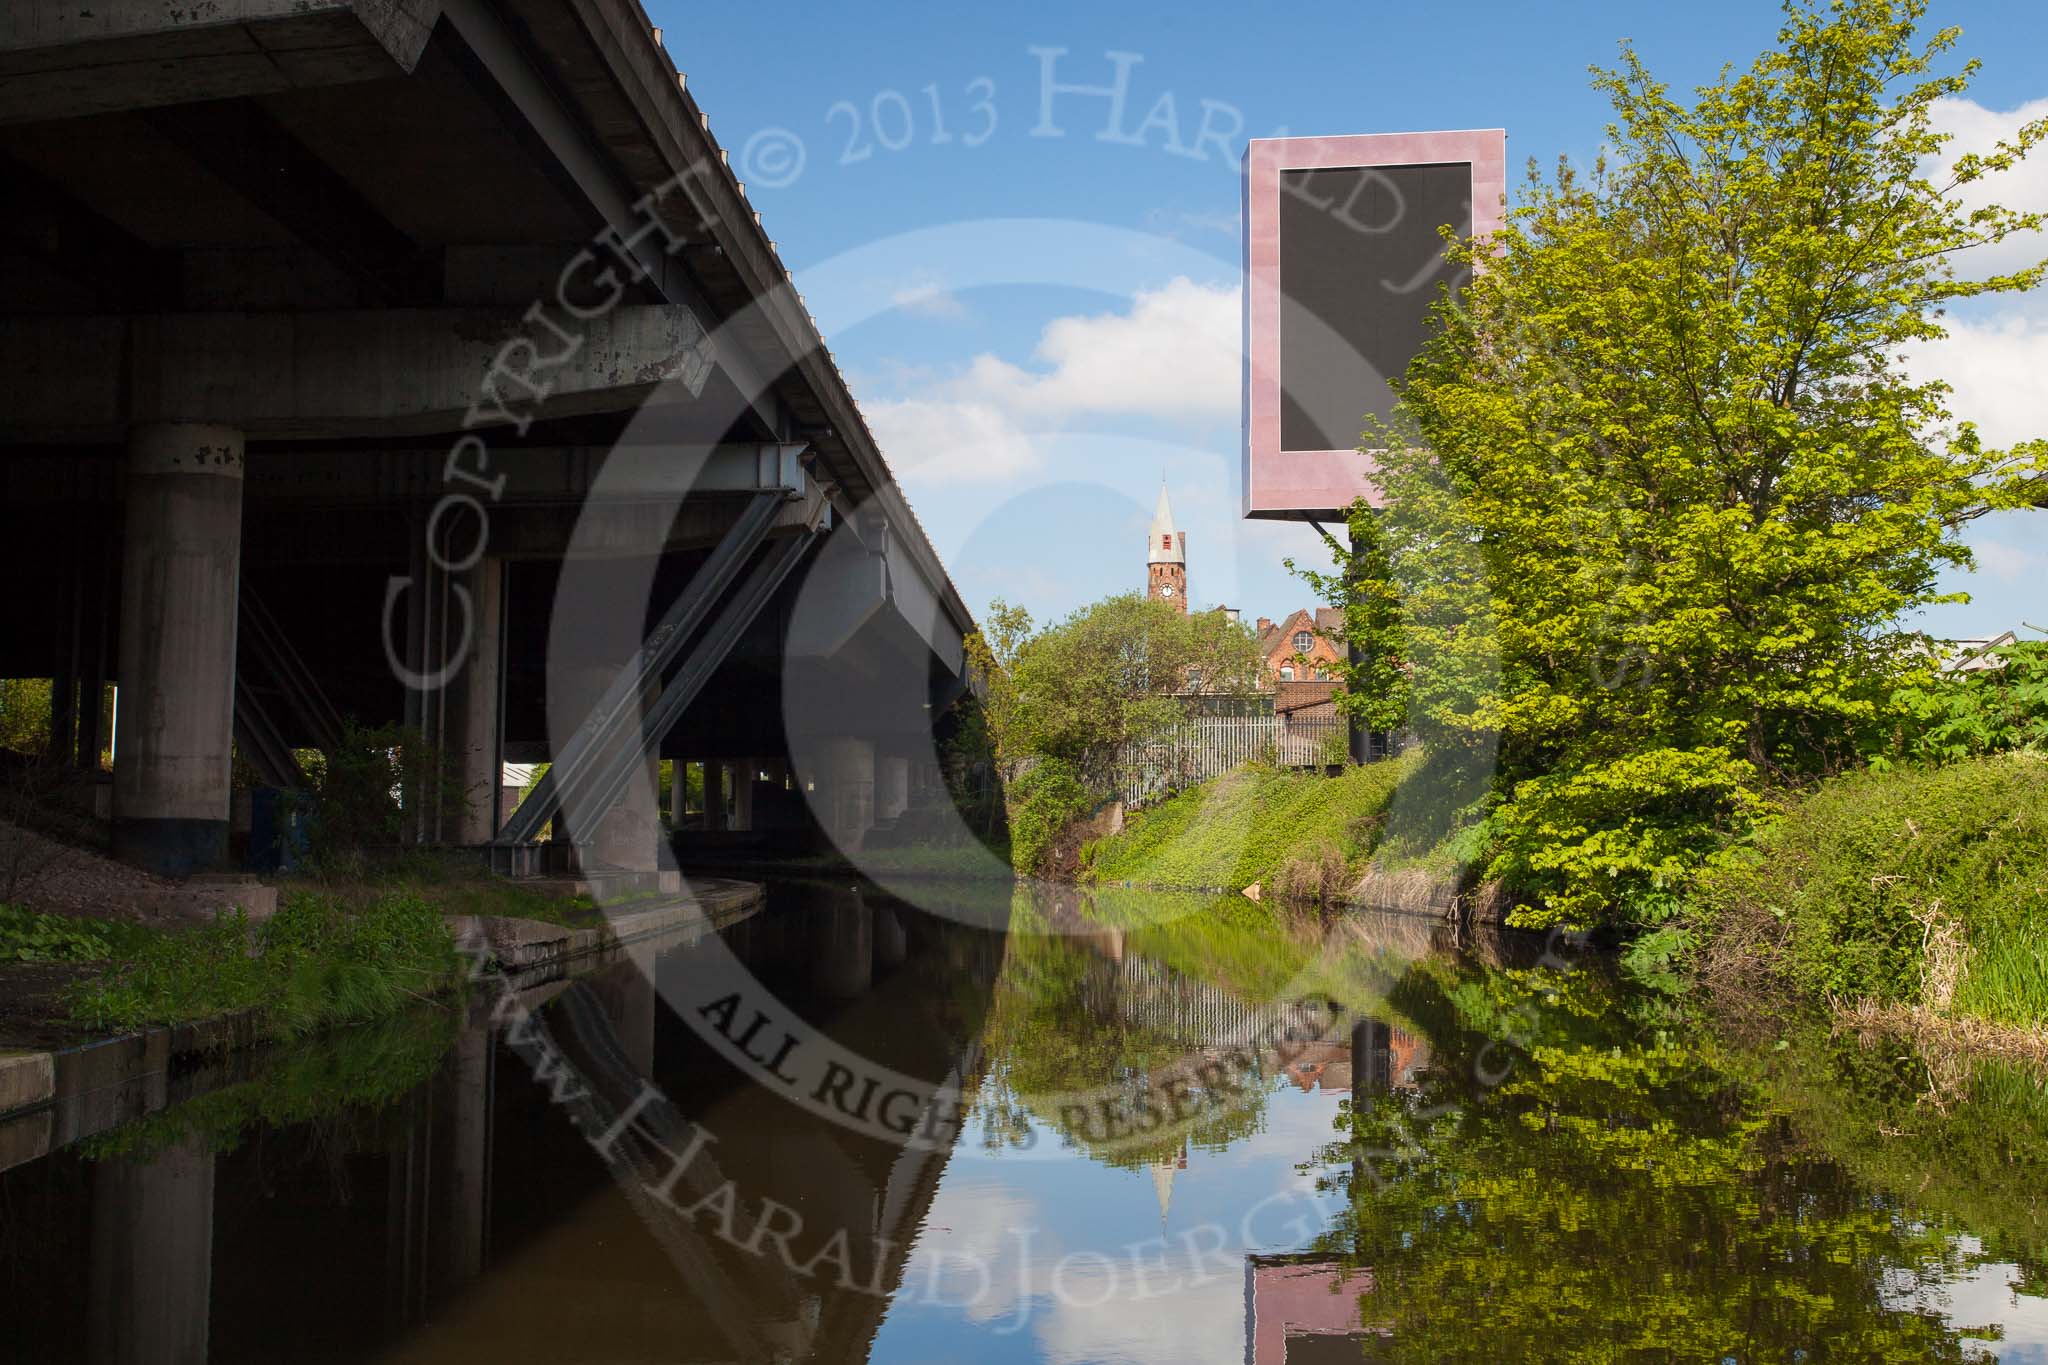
{"points": [[1166, 590]]}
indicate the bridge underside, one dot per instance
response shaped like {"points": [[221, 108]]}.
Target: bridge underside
{"points": [[358, 357]]}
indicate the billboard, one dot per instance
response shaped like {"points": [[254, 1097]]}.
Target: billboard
{"points": [[1343, 258]]}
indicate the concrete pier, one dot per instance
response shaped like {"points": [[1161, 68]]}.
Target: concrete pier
{"points": [[844, 799], [475, 731], [180, 576]]}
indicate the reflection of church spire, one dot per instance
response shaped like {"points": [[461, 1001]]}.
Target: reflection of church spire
{"points": [[1162, 1180]]}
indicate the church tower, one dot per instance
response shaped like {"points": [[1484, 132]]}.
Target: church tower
{"points": [[1166, 557]]}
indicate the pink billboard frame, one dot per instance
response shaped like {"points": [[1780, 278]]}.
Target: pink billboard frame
{"points": [[1312, 483]]}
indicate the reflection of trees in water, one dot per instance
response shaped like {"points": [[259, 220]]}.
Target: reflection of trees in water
{"points": [[1616, 1196]]}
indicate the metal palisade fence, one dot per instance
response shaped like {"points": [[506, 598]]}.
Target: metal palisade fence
{"points": [[1202, 747]]}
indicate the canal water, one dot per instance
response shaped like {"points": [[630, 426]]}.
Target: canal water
{"points": [[1107, 1127]]}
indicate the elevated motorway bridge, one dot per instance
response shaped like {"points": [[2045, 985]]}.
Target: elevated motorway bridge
{"points": [[357, 353]]}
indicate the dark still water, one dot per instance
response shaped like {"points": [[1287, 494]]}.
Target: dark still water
{"points": [[1117, 1127]]}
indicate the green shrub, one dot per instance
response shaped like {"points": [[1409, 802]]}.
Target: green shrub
{"points": [[1617, 842], [1920, 885], [1043, 802], [355, 805], [1988, 711], [312, 965]]}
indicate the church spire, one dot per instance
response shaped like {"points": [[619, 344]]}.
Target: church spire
{"points": [[1169, 544], [1166, 556]]}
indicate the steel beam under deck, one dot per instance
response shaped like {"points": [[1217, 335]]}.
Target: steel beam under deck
{"points": [[266, 662], [582, 777]]}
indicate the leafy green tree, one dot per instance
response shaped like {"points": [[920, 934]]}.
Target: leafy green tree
{"points": [[1060, 703], [1661, 490]]}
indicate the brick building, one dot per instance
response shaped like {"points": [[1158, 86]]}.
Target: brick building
{"points": [[1302, 647]]}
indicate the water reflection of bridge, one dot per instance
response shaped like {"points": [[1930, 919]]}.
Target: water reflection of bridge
{"points": [[471, 1220]]}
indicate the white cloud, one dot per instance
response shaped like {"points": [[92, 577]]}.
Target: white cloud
{"points": [[1174, 355], [1998, 370], [2024, 187], [936, 441]]}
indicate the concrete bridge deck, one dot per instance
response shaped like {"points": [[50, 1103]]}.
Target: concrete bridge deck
{"points": [[352, 349]]}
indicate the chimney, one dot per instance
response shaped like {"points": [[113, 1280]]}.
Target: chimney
{"points": [[1265, 624]]}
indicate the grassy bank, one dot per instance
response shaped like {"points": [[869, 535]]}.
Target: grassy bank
{"points": [[452, 883], [314, 964], [1298, 835], [1920, 889]]}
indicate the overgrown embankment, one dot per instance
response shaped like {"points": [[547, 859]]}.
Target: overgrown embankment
{"points": [[1921, 893], [1296, 835]]}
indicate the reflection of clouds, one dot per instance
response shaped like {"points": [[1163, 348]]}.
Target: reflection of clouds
{"points": [[1986, 1295], [1203, 1322], [967, 1254], [1089, 1263]]}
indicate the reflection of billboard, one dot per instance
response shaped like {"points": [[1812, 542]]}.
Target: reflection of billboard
{"points": [[1343, 258], [1304, 1310]]}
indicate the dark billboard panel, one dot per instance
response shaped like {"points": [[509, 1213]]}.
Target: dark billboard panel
{"points": [[1343, 260]]}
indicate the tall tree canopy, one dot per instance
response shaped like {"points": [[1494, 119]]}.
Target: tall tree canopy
{"points": [[1112, 673], [1660, 490]]}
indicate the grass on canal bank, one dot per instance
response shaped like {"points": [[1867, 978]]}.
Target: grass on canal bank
{"points": [[315, 964], [1298, 835], [1918, 892]]}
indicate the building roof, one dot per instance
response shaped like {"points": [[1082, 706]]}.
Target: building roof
{"points": [[1328, 621], [1166, 544], [1976, 656], [1302, 694]]}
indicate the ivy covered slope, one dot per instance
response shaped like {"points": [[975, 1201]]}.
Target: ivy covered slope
{"points": [[1298, 835], [1924, 888]]}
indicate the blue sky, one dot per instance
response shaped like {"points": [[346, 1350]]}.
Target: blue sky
{"points": [[1033, 380]]}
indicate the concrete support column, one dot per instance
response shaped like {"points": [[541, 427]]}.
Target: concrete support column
{"points": [[628, 835], [475, 734], [892, 787], [152, 1258], [743, 793], [845, 795], [179, 583], [679, 793], [714, 795]]}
